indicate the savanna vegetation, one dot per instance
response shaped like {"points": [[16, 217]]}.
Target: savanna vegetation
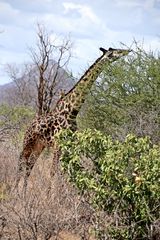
{"points": [[108, 180]]}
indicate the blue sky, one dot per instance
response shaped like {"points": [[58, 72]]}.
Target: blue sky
{"points": [[90, 24]]}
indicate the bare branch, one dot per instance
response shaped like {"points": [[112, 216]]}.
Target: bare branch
{"points": [[38, 84], [50, 60]]}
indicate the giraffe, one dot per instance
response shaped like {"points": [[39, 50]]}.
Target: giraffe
{"points": [[42, 130]]}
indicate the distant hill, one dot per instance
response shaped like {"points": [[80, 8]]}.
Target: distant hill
{"points": [[9, 93], [4, 89]]}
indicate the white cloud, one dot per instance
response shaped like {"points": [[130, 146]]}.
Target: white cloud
{"points": [[152, 44], [91, 24], [84, 10], [7, 13], [6, 8], [146, 4]]}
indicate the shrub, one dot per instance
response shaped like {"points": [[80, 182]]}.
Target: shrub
{"points": [[122, 179], [13, 120], [126, 98]]}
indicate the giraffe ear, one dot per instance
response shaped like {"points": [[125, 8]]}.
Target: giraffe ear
{"points": [[103, 50]]}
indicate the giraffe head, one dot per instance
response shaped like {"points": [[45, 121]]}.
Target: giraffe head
{"points": [[112, 54]]}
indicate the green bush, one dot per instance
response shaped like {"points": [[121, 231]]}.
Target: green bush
{"points": [[13, 120], [123, 179], [126, 98]]}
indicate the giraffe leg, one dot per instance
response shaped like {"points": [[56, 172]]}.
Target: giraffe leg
{"points": [[27, 160], [28, 168], [54, 170], [55, 162], [24, 156]]}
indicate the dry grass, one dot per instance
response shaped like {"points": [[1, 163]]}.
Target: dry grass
{"points": [[50, 209]]}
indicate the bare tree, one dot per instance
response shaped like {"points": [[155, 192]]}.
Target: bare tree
{"points": [[22, 91], [38, 84], [50, 60]]}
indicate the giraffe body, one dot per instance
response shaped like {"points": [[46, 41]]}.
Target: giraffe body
{"points": [[42, 130]]}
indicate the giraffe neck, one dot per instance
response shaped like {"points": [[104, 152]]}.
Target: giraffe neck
{"points": [[76, 96]]}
